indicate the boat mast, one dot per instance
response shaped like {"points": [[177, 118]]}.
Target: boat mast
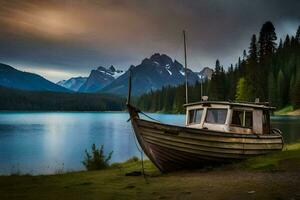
{"points": [[129, 88], [185, 69]]}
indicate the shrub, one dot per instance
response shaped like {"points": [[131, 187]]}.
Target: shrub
{"points": [[96, 160], [132, 159]]}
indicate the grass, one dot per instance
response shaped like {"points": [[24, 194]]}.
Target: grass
{"points": [[288, 159], [285, 110], [274, 176]]}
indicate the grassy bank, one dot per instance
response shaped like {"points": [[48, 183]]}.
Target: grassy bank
{"points": [[275, 176], [288, 110]]}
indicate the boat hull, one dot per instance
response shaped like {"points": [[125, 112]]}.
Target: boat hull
{"points": [[173, 148]]}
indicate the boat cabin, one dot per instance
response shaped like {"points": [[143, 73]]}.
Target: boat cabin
{"points": [[242, 118]]}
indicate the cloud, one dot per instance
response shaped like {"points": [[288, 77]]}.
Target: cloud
{"points": [[80, 35]]}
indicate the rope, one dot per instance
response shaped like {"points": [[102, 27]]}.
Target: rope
{"points": [[141, 152], [149, 116]]}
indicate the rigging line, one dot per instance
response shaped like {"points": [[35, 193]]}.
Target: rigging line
{"points": [[179, 57], [149, 116], [142, 159]]}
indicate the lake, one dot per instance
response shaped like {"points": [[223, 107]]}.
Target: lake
{"points": [[54, 142]]}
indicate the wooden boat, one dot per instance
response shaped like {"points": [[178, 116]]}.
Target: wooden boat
{"points": [[215, 132]]}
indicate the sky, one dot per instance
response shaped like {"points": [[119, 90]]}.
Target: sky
{"points": [[63, 38]]}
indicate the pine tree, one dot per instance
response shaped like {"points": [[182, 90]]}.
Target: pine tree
{"points": [[267, 47], [298, 34], [251, 69], [280, 88], [267, 38], [272, 90], [241, 90], [268, 73], [291, 91], [280, 44], [253, 50], [217, 89], [287, 42], [244, 55], [296, 91]]}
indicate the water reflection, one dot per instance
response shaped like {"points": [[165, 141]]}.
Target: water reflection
{"points": [[289, 125], [52, 141]]}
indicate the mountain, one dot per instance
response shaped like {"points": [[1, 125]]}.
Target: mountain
{"points": [[99, 78], [13, 78], [205, 73], [153, 73], [73, 83]]}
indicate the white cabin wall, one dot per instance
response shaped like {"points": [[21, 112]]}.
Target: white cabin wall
{"points": [[218, 127], [257, 121], [200, 125]]}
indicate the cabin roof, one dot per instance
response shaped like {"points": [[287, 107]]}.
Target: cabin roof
{"points": [[263, 106]]}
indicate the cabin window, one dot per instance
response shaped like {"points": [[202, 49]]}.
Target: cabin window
{"points": [[248, 119], [237, 118], [216, 116], [266, 122], [242, 118], [195, 116]]}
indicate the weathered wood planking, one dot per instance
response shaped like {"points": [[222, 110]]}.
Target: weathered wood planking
{"points": [[172, 147]]}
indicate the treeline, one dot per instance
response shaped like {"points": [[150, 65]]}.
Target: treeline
{"points": [[268, 71], [13, 99]]}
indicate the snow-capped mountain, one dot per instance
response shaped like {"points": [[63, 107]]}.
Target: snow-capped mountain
{"points": [[100, 78], [153, 73], [205, 73], [13, 78], [73, 83]]}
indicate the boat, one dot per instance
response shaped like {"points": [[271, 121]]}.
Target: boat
{"points": [[215, 133]]}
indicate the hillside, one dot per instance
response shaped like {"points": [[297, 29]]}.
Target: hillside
{"points": [[12, 99], [13, 78]]}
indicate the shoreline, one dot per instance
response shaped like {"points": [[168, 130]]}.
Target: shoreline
{"points": [[273, 176], [281, 112], [291, 113]]}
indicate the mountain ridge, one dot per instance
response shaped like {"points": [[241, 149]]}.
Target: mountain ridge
{"points": [[99, 78], [153, 73], [13, 78]]}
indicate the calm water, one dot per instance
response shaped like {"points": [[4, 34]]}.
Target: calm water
{"points": [[51, 142]]}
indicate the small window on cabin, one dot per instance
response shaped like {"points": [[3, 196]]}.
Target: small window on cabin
{"points": [[237, 118], [195, 116], [266, 122], [242, 118], [216, 116], [248, 119]]}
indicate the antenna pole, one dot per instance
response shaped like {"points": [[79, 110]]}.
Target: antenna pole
{"points": [[129, 88], [201, 87], [185, 69]]}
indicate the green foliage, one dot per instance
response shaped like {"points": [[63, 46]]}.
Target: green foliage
{"points": [[96, 160], [241, 90], [13, 99], [296, 91], [275, 160], [284, 110], [281, 89], [217, 87], [272, 89], [298, 35]]}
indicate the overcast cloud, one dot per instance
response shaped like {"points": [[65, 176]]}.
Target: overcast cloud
{"points": [[59, 39]]}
